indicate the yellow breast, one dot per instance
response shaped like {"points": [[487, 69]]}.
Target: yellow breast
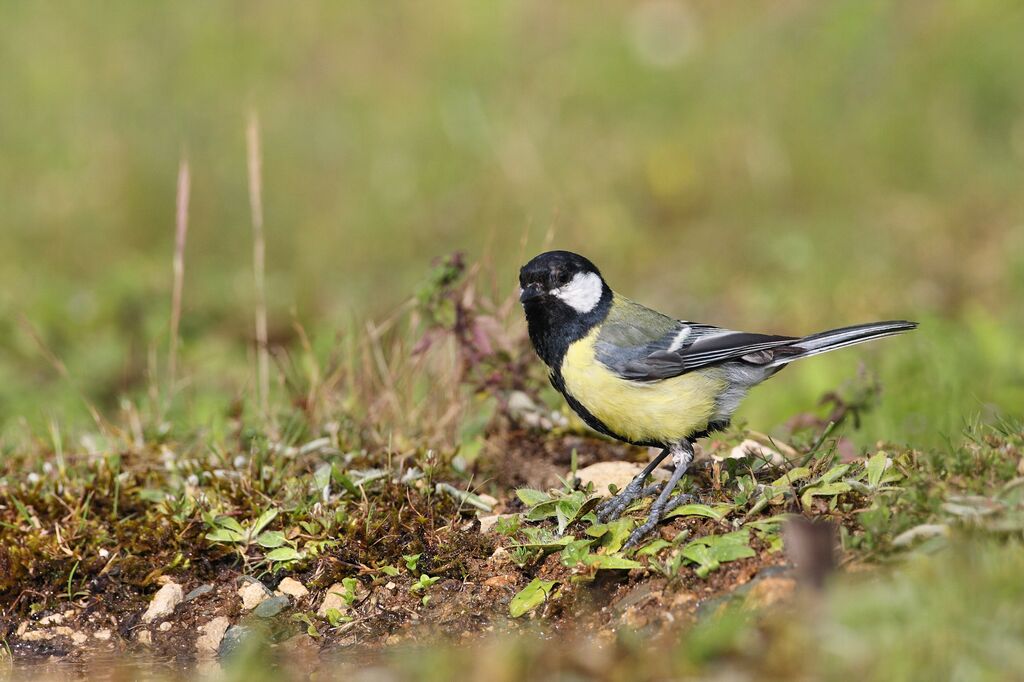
{"points": [[662, 411]]}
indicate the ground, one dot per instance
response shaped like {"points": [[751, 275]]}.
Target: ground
{"points": [[313, 540]]}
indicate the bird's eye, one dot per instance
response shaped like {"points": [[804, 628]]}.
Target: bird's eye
{"points": [[561, 278]]}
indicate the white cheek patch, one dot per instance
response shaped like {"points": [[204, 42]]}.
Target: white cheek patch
{"points": [[582, 294]]}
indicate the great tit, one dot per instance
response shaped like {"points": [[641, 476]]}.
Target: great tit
{"points": [[642, 377]]}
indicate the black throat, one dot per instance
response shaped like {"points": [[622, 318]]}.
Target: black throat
{"points": [[554, 325]]}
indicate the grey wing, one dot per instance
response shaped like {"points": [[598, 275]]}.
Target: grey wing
{"points": [[683, 348]]}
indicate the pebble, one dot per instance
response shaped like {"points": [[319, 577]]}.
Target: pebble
{"points": [[102, 635], [211, 635], [754, 450], [253, 593], [37, 635], [144, 637], [165, 626], [269, 608], [333, 600], [164, 602], [620, 474], [199, 592], [233, 639], [293, 588], [501, 581], [488, 522]]}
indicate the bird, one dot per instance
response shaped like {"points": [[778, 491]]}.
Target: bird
{"points": [[646, 378]]}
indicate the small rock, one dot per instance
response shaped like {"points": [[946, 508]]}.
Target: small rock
{"points": [[488, 522], [199, 592], [292, 588], [300, 647], [164, 602], [53, 619], [233, 639], [144, 637], [390, 586], [268, 608], [925, 530], [620, 474], [211, 635], [253, 593], [768, 591], [500, 557], [524, 410], [501, 581], [79, 638], [22, 628], [102, 635], [165, 626], [63, 631], [333, 600], [37, 635], [754, 450]]}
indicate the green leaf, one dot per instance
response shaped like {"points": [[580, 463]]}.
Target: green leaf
{"points": [[653, 548], [284, 554], [389, 571], [576, 552], [769, 524], [786, 480], [230, 523], [718, 512], [618, 533], [270, 539], [531, 497], [463, 496], [342, 479], [263, 521], [322, 476], [824, 490], [224, 535], [876, 468], [712, 551], [834, 474], [542, 511], [604, 561], [530, 597], [411, 561]]}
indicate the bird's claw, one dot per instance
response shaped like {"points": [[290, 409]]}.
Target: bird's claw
{"points": [[657, 513], [612, 509]]}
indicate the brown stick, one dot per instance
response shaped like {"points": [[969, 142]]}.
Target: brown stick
{"points": [[259, 250], [180, 232]]}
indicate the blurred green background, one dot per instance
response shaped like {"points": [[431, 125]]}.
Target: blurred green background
{"points": [[779, 166]]}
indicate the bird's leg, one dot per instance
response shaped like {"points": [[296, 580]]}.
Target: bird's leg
{"points": [[682, 455], [613, 508]]}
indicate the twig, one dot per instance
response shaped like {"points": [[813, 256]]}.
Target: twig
{"points": [[180, 232], [259, 250]]}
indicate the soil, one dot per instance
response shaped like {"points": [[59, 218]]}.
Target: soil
{"points": [[470, 601]]}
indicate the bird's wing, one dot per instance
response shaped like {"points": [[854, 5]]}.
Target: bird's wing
{"points": [[643, 345]]}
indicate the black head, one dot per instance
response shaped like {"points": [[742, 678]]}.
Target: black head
{"points": [[564, 296]]}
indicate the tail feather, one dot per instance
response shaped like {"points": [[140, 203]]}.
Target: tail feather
{"points": [[823, 342]]}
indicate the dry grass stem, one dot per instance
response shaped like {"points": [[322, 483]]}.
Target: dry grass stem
{"points": [[259, 250], [180, 234]]}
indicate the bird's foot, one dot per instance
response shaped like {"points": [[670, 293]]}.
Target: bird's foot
{"points": [[613, 508], [657, 514]]}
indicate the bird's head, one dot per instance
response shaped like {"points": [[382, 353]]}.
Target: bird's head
{"points": [[564, 297], [561, 279]]}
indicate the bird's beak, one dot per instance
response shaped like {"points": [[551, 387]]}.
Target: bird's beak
{"points": [[530, 292]]}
